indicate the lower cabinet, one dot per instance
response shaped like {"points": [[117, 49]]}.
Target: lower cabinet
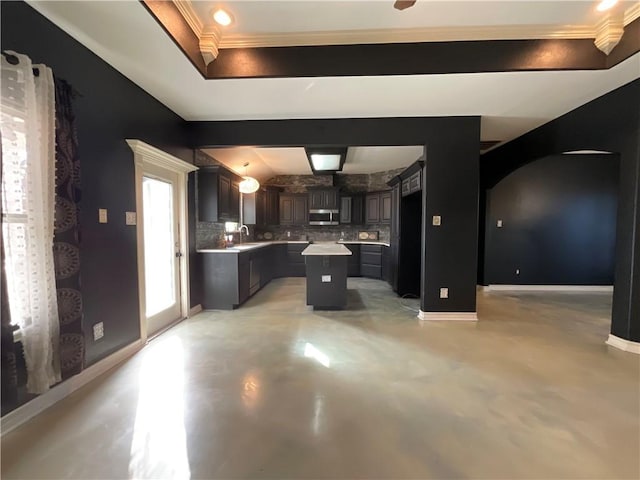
{"points": [[371, 261], [231, 278]]}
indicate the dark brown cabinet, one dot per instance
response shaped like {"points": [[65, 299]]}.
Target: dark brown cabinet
{"points": [[294, 209], [372, 209], [218, 195], [352, 209], [378, 207], [323, 198], [267, 206], [371, 261]]}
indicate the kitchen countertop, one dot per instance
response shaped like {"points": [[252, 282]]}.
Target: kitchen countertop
{"points": [[363, 242], [326, 249], [244, 247]]}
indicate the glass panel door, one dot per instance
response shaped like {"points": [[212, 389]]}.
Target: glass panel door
{"points": [[161, 265]]}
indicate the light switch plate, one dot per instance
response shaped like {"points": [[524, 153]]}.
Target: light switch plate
{"points": [[130, 218], [437, 220], [326, 278], [444, 293], [499, 223], [102, 215]]}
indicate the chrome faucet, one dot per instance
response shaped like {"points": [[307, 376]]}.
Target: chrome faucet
{"points": [[240, 230]]}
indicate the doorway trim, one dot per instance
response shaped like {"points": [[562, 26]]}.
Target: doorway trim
{"points": [[145, 155]]}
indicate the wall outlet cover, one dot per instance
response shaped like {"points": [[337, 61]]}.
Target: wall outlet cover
{"points": [[102, 215], [499, 223], [98, 331], [326, 278], [444, 293], [437, 220]]}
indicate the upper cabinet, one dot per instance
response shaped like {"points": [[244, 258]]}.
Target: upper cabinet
{"points": [[352, 209], [267, 206], [323, 198], [294, 209], [218, 195], [378, 207]]}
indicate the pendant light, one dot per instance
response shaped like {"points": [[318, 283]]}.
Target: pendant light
{"points": [[248, 184]]}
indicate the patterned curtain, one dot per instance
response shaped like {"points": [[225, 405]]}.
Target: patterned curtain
{"points": [[66, 246]]}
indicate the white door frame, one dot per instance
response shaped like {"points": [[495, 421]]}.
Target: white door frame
{"points": [[143, 156]]}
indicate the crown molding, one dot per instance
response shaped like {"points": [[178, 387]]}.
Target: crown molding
{"points": [[209, 43], [409, 35], [631, 14], [609, 32], [189, 14]]}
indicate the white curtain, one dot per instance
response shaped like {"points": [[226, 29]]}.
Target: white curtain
{"points": [[28, 208]]}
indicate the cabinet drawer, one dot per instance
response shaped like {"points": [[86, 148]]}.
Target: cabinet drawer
{"points": [[367, 258], [371, 271], [371, 249]]}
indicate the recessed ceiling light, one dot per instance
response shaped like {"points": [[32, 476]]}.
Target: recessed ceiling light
{"points": [[222, 17], [606, 5]]}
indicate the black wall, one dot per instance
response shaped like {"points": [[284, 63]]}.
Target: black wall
{"points": [[559, 222], [450, 187], [609, 123], [110, 110]]}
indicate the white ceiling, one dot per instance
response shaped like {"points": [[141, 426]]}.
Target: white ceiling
{"points": [[265, 163], [511, 103]]}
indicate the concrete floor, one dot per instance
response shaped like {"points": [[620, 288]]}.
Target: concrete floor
{"points": [[273, 390]]}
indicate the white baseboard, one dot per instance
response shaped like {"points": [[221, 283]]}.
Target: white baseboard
{"points": [[39, 404], [549, 288], [448, 316], [623, 344], [195, 310]]}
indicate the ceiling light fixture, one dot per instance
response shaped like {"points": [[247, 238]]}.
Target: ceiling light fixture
{"points": [[606, 5], [222, 17], [248, 184], [326, 160]]}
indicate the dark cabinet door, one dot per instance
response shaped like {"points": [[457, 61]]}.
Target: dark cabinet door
{"points": [[345, 209], [224, 197], [372, 208], [330, 199], [385, 207], [273, 210], [286, 209], [316, 199], [234, 202], [300, 210], [357, 210], [207, 196], [244, 277]]}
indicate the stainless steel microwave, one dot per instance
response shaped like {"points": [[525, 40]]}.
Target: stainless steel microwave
{"points": [[324, 217]]}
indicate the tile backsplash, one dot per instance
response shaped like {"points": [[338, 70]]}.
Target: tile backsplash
{"points": [[209, 233]]}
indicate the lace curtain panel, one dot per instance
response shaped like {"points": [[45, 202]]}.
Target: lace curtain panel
{"points": [[28, 206]]}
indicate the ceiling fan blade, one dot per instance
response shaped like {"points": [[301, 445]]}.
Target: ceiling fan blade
{"points": [[402, 4]]}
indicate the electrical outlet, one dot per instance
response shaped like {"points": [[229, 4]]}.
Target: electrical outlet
{"points": [[499, 223], [288, 234], [130, 218], [102, 215], [437, 220], [517, 271], [326, 278], [98, 331], [444, 292]]}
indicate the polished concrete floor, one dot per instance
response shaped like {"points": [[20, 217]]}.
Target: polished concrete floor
{"points": [[273, 390]]}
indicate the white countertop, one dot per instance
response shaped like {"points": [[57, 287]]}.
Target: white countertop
{"points": [[244, 247], [326, 249], [363, 242]]}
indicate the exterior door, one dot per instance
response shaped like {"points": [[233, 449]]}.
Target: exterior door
{"points": [[161, 248]]}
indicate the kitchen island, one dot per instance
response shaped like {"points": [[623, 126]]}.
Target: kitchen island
{"points": [[326, 267]]}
